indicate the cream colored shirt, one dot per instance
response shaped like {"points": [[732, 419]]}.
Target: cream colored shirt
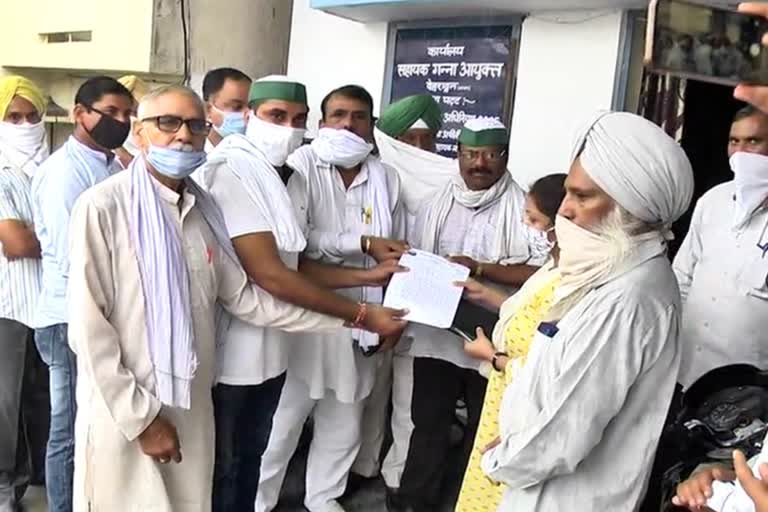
{"points": [[115, 388]]}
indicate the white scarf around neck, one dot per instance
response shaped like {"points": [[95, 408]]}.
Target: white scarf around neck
{"points": [[263, 185], [510, 243], [589, 260], [422, 174], [340, 147], [378, 200], [165, 282]]}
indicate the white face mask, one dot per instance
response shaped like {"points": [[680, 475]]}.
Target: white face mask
{"points": [[129, 145], [341, 147], [539, 240], [25, 138], [751, 182], [275, 141], [585, 262]]}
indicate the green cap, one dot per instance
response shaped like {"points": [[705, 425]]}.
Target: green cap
{"points": [[277, 87], [419, 111], [484, 132]]}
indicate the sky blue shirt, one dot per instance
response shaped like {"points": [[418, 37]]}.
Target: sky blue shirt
{"points": [[57, 184]]}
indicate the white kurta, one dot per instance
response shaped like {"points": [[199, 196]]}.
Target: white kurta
{"points": [[722, 275], [336, 220], [581, 421], [116, 380]]}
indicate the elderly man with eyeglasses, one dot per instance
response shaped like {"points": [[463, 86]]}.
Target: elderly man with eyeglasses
{"points": [[150, 261], [477, 220]]}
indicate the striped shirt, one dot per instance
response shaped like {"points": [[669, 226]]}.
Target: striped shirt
{"points": [[21, 277]]}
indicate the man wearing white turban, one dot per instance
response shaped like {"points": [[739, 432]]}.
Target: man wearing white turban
{"points": [[580, 423]]}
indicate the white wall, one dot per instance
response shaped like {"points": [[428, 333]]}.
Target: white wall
{"points": [[250, 35], [566, 70], [327, 52]]}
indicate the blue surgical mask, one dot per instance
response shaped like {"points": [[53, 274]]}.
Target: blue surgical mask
{"points": [[174, 163], [234, 122]]}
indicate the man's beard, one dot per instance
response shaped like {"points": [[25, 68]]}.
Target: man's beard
{"points": [[616, 233], [617, 228]]}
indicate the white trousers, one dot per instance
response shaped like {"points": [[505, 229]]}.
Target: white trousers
{"points": [[334, 446], [402, 423], [368, 462]]}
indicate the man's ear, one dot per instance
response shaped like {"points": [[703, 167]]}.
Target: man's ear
{"points": [[140, 135], [78, 111]]}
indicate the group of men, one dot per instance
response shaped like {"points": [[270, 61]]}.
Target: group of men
{"points": [[268, 237], [198, 307]]}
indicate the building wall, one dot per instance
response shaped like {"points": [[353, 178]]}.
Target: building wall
{"points": [[327, 52], [114, 30], [566, 69], [251, 35]]}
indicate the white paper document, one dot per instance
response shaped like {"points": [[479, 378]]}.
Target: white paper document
{"points": [[427, 289]]}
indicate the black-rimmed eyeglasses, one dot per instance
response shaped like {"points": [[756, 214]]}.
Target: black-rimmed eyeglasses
{"points": [[172, 124]]}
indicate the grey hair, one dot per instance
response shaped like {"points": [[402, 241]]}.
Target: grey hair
{"points": [[155, 94]]}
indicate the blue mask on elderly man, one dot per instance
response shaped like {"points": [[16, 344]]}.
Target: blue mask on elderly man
{"points": [[174, 163], [233, 122]]}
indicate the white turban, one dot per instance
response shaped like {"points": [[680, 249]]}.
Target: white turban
{"points": [[636, 163]]}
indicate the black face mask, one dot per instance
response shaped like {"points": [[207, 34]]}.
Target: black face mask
{"points": [[108, 132]]}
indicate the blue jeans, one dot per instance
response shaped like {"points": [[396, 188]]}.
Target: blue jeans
{"points": [[60, 456], [243, 425]]}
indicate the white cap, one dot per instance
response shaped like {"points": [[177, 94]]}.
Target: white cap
{"points": [[420, 123], [481, 124]]}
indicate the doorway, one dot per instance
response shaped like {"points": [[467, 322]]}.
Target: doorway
{"points": [[699, 116], [707, 115]]}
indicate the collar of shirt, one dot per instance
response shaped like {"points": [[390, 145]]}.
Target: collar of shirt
{"points": [[208, 146], [759, 210], [107, 159], [360, 179], [181, 202], [480, 209]]}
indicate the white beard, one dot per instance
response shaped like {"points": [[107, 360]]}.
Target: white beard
{"points": [[591, 256]]}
